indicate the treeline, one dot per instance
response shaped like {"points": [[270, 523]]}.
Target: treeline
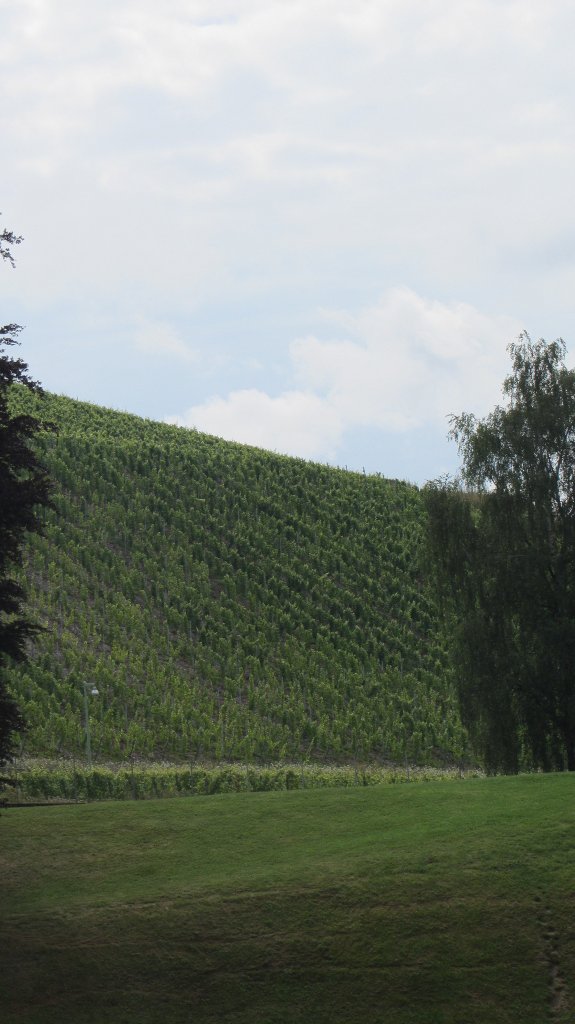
{"points": [[228, 603], [502, 539]]}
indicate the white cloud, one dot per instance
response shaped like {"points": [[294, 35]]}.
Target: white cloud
{"points": [[235, 164], [295, 423], [438, 131], [413, 362], [408, 364], [162, 339]]}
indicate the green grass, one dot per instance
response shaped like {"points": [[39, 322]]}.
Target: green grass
{"points": [[449, 903]]}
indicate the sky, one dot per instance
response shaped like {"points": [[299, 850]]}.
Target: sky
{"points": [[311, 226]]}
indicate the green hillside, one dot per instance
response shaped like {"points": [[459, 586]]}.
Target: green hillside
{"points": [[228, 603], [444, 903]]}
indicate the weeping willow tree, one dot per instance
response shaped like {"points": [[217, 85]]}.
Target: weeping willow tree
{"points": [[502, 540]]}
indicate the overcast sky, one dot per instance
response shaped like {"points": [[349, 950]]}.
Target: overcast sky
{"points": [[310, 226]]}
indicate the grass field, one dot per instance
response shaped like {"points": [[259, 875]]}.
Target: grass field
{"points": [[446, 903]]}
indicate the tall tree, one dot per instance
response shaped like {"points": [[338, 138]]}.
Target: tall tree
{"points": [[503, 543], [24, 490]]}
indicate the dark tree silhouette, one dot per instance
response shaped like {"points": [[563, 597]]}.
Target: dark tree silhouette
{"points": [[503, 541], [24, 491]]}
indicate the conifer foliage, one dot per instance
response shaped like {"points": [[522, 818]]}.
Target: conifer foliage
{"points": [[504, 545], [24, 490]]}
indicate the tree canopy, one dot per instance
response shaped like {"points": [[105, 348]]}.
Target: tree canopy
{"points": [[503, 545], [24, 489]]}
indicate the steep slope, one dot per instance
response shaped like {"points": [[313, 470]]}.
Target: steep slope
{"points": [[228, 602]]}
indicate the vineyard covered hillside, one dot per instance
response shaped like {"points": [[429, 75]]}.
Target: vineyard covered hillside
{"points": [[228, 603]]}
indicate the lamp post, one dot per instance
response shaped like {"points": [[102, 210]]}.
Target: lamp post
{"points": [[93, 693]]}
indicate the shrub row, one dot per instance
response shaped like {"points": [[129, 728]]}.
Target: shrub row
{"points": [[46, 782]]}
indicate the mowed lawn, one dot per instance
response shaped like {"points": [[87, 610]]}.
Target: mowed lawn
{"points": [[436, 903]]}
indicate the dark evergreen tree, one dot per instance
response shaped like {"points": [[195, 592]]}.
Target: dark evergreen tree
{"points": [[24, 490], [503, 542]]}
